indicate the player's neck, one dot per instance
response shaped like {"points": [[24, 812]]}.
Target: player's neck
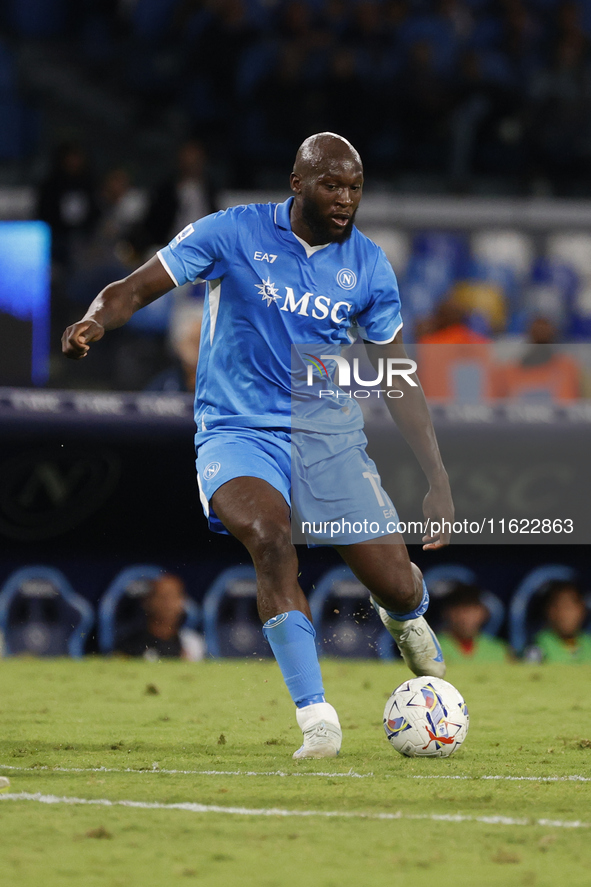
{"points": [[301, 229]]}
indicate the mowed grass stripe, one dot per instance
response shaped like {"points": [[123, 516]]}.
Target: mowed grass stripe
{"points": [[192, 807], [350, 774]]}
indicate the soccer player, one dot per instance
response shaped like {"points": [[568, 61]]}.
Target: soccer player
{"points": [[278, 274]]}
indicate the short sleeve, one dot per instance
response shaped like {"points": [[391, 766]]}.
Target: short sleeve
{"points": [[380, 320], [201, 249]]}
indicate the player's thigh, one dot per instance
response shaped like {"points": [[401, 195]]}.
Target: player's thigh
{"points": [[252, 510], [244, 480]]}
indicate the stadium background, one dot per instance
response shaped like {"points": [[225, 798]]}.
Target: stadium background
{"points": [[472, 117]]}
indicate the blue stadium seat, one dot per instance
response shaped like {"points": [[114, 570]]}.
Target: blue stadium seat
{"points": [[120, 611], [521, 627], [436, 261], [551, 293], [496, 273], [439, 580], [346, 623], [41, 614], [231, 624]]}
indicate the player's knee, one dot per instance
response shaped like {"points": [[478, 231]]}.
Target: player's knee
{"points": [[271, 542], [403, 593]]}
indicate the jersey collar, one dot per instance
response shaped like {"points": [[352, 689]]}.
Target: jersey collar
{"points": [[282, 211]]}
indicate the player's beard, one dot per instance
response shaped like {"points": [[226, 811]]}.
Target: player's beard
{"points": [[318, 224]]}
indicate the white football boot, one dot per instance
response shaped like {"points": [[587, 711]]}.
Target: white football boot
{"points": [[322, 732], [417, 643]]}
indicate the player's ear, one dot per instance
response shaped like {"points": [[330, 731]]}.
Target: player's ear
{"points": [[295, 183]]}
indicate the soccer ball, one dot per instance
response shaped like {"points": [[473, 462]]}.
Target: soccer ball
{"points": [[426, 717]]}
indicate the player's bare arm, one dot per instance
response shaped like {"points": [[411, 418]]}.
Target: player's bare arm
{"points": [[114, 306], [411, 414]]}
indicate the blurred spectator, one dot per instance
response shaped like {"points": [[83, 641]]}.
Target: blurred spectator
{"points": [[121, 207], [563, 639], [163, 636], [184, 337], [448, 326], [543, 373], [486, 119], [454, 361], [182, 199], [66, 201], [424, 102], [464, 616], [561, 112]]}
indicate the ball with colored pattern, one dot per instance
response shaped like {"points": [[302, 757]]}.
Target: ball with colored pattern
{"points": [[426, 717]]}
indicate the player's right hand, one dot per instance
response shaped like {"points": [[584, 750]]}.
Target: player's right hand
{"points": [[76, 339]]}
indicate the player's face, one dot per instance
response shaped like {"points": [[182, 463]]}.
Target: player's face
{"points": [[329, 202], [566, 613], [466, 621]]}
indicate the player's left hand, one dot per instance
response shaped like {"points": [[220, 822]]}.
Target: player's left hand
{"points": [[438, 507]]}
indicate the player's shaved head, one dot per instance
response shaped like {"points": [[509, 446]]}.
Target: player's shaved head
{"points": [[327, 181], [321, 151]]}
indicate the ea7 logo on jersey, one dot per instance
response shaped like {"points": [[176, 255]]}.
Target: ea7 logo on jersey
{"points": [[184, 233], [264, 257]]}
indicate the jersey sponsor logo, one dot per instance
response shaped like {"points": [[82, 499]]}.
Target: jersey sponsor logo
{"points": [[211, 470], [268, 291], [319, 307], [264, 257], [181, 236], [322, 306], [346, 279]]}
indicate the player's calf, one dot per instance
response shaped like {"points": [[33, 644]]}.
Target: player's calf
{"points": [[414, 637], [292, 639]]}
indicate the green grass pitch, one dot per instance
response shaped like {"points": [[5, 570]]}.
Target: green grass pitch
{"points": [[60, 721]]}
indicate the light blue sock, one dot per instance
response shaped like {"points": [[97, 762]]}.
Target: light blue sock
{"points": [[291, 636], [422, 608]]}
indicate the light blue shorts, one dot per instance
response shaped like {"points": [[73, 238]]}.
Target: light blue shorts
{"points": [[328, 480]]}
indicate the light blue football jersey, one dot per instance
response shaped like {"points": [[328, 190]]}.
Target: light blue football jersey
{"points": [[267, 292]]}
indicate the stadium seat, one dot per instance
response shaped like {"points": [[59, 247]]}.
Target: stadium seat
{"points": [[510, 249], [435, 262], [120, 611], [394, 243], [231, 623], [550, 293], [572, 249], [41, 614], [520, 624], [346, 623], [439, 580]]}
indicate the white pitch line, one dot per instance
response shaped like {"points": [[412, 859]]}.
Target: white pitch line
{"points": [[191, 807], [349, 774]]}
